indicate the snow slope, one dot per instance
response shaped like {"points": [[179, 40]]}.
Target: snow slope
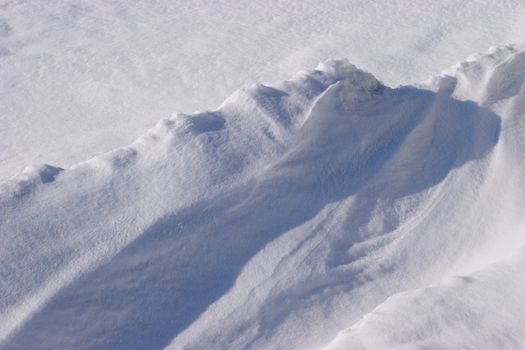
{"points": [[482, 308], [329, 210], [82, 77]]}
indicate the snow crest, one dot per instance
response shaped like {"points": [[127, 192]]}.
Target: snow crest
{"points": [[275, 221]]}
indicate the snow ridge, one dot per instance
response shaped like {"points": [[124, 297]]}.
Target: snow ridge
{"points": [[181, 161], [275, 221], [483, 306]]}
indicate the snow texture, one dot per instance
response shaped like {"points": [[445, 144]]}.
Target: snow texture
{"points": [[83, 77], [326, 211]]}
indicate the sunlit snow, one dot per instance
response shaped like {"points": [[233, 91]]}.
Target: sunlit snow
{"points": [[337, 209]]}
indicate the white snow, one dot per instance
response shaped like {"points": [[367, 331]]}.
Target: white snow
{"points": [[485, 310], [82, 77], [338, 209], [326, 211]]}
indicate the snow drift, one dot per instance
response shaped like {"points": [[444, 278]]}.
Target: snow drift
{"points": [[289, 214], [82, 77]]}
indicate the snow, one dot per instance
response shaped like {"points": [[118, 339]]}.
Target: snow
{"points": [[484, 310], [364, 205], [326, 211], [481, 306], [79, 78], [58, 229]]}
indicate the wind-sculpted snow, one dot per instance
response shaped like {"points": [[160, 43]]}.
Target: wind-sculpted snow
{"points": [[275, 221], [480, 311], [482, 308], [83, 77]]}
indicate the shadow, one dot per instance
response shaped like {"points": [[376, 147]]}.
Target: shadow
{"points": [[398, 142]]}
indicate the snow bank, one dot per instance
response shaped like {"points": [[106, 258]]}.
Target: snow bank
{"points": [[483, 307], [57, 225], [82, 77], [276, 221]]}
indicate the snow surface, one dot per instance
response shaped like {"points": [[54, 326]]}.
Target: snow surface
{"points": [[82, 77], [484, 310], [326, 211]]}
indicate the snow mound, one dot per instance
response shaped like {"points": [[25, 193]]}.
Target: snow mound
{"points": [[483, 307], [276, 221], [83, 77]]}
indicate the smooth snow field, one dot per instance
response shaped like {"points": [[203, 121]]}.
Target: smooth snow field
{"points": [[82, 77], [328, 211]]}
